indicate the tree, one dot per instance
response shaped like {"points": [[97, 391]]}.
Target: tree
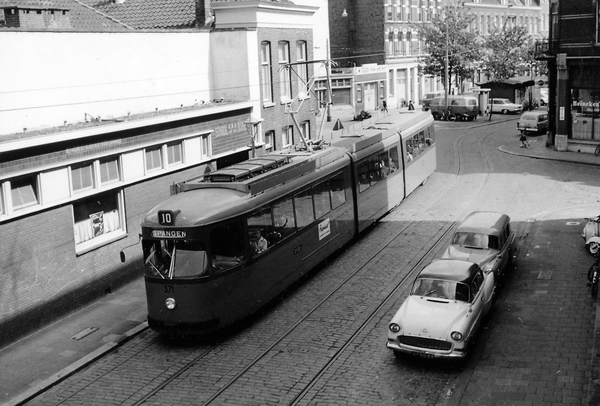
{"points": [[508, 53], [449, 34]]}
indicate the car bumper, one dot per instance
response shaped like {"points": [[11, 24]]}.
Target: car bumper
{"points": [[424, 352]]}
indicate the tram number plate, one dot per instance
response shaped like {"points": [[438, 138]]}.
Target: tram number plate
{"points": [[169, 288], [297, 249]]}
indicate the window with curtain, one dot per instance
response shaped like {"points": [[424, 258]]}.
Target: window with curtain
{"points": [[285, 83], [266, 72], [174, 153], [97, 216]]}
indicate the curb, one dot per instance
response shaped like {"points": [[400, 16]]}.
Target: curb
{"points": [[74, 367], [506, 151]]}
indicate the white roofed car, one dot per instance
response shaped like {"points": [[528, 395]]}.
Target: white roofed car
{"points": [[486, 239], [505, 106], [445, 308]]}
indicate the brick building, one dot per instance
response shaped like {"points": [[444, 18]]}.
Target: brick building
{"points": [[88, 147], [573, 56]]}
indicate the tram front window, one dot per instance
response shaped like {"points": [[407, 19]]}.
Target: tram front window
{"points": [[170, 259]]}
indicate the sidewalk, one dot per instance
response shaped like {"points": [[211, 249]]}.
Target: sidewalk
{"points": [[46, 357]]}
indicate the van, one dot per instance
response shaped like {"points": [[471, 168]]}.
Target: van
{"points": [[535, 121], [427, 98], [462, 107]]}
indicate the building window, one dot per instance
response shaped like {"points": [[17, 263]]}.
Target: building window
{"points": [[153, 159], [109, 170], [270, 141], [82, 178], [24, 192], [97, 216], [288, 136], [206, 146], [284, 71], [302, 69], [266, 72], [2, 204], [174, 153], [305, 125]]}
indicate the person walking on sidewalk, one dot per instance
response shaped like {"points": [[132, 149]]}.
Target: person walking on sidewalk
{"points": [[524, 142], [411, 106], [384, 106]]}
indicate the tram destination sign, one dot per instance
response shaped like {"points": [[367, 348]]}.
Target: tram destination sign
{"points": [[169, 234]]}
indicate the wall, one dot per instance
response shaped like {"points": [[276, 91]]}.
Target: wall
{"points": [[55, 78]]}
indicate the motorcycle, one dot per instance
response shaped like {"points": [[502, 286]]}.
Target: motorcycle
{"points": [[363, 115], [591, 235], [594, 276]]}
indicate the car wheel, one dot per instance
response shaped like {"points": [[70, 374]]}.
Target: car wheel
{"points": [[595, 289], [593, 248], [504, 111]]}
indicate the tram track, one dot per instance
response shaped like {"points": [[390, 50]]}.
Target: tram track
{"points": [[178, 373]]}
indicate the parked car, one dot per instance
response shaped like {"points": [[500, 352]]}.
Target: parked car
{"points": [[505, 106], [427, 98], [486, 239], [459, 107], [533, 122], [444, 310]]}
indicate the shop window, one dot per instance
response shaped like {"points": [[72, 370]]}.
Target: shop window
{"points": [[82, 178], [174, 153], [24, 192], [109, 171], [97, 217], [153, 159]]}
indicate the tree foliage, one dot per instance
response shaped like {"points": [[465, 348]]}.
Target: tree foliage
{"points": [[508, 53], [449, 32]]}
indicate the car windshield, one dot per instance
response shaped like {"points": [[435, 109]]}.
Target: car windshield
{"points": [[441, 289], [475, 240], [529, 118]]}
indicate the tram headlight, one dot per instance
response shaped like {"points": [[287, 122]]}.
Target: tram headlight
{"points": [[170, 303]]}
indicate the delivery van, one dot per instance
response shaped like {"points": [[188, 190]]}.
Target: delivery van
{"points": [[464, 107]]}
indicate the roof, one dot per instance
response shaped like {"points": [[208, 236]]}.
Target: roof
{"points": [[456, 270], [485, 222], [82, 16], [149, 14]]}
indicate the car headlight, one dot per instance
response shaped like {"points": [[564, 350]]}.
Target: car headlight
{"points": [[394, 328], [170, 303], [456, 336]]}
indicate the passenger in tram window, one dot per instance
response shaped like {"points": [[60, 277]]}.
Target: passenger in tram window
{"points": [[409, 157], [392, 166], [258, 243]]}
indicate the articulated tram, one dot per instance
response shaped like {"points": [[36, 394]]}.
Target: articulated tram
{"points": [[224, 245]]}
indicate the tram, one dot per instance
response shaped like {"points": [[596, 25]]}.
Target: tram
{"points": [[225, 244]]}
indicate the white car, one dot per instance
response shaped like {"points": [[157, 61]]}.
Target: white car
{"points": [[444, 310], [505, 106]]}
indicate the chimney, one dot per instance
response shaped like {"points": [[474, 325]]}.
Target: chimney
{"points": [[202, 12]]}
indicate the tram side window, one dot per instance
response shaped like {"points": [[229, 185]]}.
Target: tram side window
{"points": [[322, 199], [393, 162], [338, 190], [363, 176], [374, 169], [260, 231], [227, 246], [303, 204], [283, 218]]}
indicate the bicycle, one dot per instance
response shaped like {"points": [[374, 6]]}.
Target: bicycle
{"points": [[525, 142]]}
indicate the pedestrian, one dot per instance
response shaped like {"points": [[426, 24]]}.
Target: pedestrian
{"points": [[384, 104], [411, 106]]}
